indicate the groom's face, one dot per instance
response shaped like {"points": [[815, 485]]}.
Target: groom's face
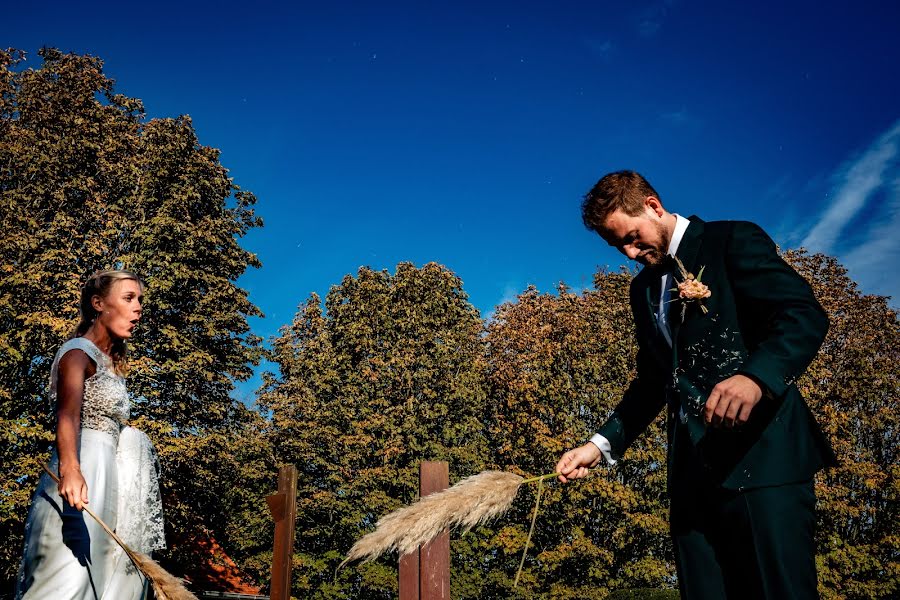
{"points": [[643, 237]]}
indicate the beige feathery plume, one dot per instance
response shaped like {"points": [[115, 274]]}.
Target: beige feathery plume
{"points": [[473, 500], [165, 585]]}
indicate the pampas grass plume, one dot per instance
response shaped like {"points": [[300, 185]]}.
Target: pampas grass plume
{"points": [[471, 501], [165, 585]]}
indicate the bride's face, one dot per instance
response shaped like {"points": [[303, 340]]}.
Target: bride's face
{"points": [[120, 310]]}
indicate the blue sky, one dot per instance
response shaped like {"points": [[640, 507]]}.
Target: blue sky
{"points": [[466, 132]]}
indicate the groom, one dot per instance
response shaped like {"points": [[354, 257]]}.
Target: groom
{"points": [[720, 352]]}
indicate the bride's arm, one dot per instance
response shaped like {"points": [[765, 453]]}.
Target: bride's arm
{"points": [[74, 368]]}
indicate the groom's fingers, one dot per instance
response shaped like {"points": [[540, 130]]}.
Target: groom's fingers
{"points": [[734, 408], [728, 406], [722, 406], [574, 464], [565, 465], [732, 401], [711, 403], [744, 415]]}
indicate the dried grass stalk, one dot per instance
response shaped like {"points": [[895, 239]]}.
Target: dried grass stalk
{"points": [[165, 585], [473, 500]]}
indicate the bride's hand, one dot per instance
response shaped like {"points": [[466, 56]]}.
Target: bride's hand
{"points": [[73, 488]]}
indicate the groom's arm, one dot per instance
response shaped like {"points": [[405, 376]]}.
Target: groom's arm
{"points": [[640, 405], [774, 300], [644, 397], [638, 408]]}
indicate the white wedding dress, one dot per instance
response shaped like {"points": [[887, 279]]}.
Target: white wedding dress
{"points": [[67, 554]]}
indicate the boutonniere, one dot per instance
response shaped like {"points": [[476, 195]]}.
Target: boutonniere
{"points": [[690, 289]]}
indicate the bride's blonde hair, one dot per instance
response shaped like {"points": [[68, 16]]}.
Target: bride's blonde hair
{"points": [[100, 284]]}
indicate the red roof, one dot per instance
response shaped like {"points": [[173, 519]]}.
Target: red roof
{"points": [[213, 570]]}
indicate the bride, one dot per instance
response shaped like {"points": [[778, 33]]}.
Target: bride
{"points": [[101, 462]]}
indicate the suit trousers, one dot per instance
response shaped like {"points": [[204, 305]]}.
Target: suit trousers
{"points": [[735, 544]]}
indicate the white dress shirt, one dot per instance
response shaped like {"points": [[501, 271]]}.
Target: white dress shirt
{"points": [[681, 225], [662, 319]]}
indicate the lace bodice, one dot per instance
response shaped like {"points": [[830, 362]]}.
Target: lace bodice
{"points": [[105, 406]]}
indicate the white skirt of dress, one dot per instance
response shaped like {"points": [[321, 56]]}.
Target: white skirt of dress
{"points": [[67, 554]]}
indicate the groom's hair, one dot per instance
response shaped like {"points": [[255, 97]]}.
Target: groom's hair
{"points": [[622, 190]]}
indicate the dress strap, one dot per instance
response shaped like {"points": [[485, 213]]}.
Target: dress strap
{"points": [[86, 346], [94, 353]]}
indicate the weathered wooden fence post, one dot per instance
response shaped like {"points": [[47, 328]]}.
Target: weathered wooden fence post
{"points": [[425, 574], [283, 506]]}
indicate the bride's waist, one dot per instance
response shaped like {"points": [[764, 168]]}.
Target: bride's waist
{"points": [[105, 424], [106, 437], [88, 439], [96, 453]]}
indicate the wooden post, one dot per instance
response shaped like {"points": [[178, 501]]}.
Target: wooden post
{"points": [[409, 576], [425, 575], [283, 507], [434, 557]]}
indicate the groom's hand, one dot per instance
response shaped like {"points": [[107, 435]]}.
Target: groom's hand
{"points": [[575, 463], [731, 401]]}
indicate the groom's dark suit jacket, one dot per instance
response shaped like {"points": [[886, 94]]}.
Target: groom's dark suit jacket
{"points": [[763, 321]]}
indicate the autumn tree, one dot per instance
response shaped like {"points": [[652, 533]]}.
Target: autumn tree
{"points": [[88, 183], [558, 364], [388, 373], [215, 482]]}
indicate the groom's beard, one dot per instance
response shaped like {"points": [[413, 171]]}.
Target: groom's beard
{"points": [[658, 250]]}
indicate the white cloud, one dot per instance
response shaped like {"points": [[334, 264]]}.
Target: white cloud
{"points": [[859, 184], [510, 294], [874, 262]]}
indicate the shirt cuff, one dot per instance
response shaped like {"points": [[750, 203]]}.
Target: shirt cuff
{"points": [[605, 448]]}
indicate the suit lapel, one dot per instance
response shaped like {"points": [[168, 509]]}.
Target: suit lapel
{"points": [[687, 253], [651, 304], [656, 342]]}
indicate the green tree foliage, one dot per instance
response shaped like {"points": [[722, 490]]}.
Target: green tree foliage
{"points": [[88, 183], [558, 365], [852, 387], [389, 374], [215, 483], [183, 238]]}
